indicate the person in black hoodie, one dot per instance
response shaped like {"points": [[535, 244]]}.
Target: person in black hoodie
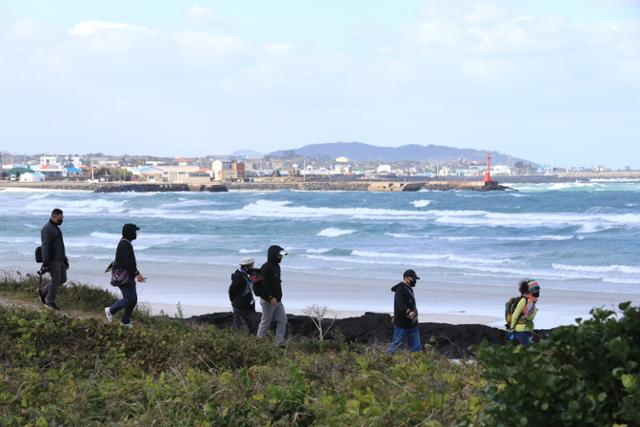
{"points": [[126, 259], [54, 258], [241, 296], [271, 296], [405, 315]]}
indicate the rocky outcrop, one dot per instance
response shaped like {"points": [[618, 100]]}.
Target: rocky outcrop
{"points": [[454, 341]]}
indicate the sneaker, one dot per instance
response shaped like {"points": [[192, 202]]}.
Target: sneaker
{"points": [[107, 312], [126, 325], [43, 297], [52, 306]]}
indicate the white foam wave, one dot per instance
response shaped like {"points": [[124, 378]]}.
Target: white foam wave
{"points": [[615, 268], [334, 232], [446, 257], [319, 251], [76, 207], [403, 235], [421, 203], [249, 251]]}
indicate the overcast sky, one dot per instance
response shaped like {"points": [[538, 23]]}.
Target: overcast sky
{"points": [[556, 82]]}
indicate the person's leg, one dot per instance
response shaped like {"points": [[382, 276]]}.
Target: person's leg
{"points": [[252, 321], [122, 303], [280, 317], [55, 271], [399, 338], [267, 316], [132, 299], [524, 338], [415, 344], [237, 322]]}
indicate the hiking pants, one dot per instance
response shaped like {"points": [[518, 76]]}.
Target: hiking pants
{"points": [[272, 313], [411, 336], [245, 318], [128, 301], [58, 273]]}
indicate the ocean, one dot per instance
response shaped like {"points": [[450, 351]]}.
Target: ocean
{"points": [[575, 236]]}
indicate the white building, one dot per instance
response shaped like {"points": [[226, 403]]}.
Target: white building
{"points": [[224, 170], [31, 177], [383, 170]]}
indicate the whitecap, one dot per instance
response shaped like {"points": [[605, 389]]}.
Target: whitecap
{"points": [[334, 232], [421, 203]]}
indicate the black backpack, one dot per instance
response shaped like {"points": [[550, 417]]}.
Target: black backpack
{"points": [[509, 308], [257, 284]]}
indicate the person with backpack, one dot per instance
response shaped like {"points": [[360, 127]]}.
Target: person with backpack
{"points": [[271, 296], [54, 259], [521, 311], [241, 296], [405, 315], [124, 275]]}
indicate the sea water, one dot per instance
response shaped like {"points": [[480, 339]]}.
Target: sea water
{"points": [[576, 236]]}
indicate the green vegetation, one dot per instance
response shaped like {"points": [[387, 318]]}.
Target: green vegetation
{"points": [[62, 370]]}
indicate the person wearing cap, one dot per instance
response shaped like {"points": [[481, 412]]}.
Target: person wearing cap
{"points": [[241, 296], [405, 315], [54, 259], [126, 259], [521, 327], [271, 296]]}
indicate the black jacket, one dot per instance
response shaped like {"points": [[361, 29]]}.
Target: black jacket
{"points": [[404, 302], [52, 243], [270, 271], [240, 293], [126, 258]]}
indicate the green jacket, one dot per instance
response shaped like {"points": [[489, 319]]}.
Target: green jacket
{"points": [[518, 322]]}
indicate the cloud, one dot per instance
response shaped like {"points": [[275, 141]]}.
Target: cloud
{"points": [[205, 45], [274, 49], [201, 15], [88, 28]]}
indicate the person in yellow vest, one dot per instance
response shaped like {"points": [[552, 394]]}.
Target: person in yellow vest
{"points": [[521, 327]]}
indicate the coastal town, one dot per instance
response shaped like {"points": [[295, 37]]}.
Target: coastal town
{"points": [[99, 168]]}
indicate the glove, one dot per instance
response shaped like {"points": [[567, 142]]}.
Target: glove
{"points": [[66, 263], [45, 267]]}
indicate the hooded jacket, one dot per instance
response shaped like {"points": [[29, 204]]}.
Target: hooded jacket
{"points": [[404, 302], [52, 243], [270, 272], [240, 293], [125, 257]]}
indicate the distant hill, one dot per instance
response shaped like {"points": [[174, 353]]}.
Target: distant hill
{"points": [[361, 152], [247, 153]]}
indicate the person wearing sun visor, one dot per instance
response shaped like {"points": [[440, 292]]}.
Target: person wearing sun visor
{"points": [[271, 296], [525, 312]]}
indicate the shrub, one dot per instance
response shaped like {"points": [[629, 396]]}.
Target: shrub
{"points": [[582, 375]]}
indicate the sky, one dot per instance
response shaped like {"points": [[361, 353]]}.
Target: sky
{"points": [[554, 82]]}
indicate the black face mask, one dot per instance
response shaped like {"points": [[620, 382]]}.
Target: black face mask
{"points": [[412, 282], [60, 221], [536, 294]]}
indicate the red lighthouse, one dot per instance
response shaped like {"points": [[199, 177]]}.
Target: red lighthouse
{"points": [[487, 180]]}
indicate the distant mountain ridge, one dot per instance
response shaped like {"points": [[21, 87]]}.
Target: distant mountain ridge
{"points": [[362, 152]]}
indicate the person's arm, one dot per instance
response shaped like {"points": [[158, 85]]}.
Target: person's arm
{"points": [[46, 240], [235, 287], [402, 297], [517, 312], [126, 258], [267, 279]]}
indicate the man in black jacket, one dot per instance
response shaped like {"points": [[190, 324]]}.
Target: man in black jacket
{"points": [[54, 258], [271, 296], [241, 296], [126, 260], [405, 314]]}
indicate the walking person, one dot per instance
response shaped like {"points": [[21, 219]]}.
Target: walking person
{"points": [[405, 315], [271, 296], [521, 326], [126, 260], [241, 296], [54, 258]]}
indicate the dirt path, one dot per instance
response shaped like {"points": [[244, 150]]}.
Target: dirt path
{"points": [[21, 302]]}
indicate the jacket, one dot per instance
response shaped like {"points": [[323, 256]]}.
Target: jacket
{"points": [[52, 243], [240, 293], [404, 302], [518, 322], [270, 272], [126, 258]]}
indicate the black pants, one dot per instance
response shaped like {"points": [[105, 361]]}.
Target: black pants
{"points": [[58, 273], [245, 318]]}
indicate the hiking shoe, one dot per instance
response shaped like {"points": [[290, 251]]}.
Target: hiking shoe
{"points": [[126, 325], [52, 306], [43, 297], [107, 312]]}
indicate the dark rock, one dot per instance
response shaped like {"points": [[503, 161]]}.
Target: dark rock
{"points": [[454, 341]]}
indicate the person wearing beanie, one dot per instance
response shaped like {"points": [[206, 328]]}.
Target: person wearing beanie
{"points": [[126, 260], [521, 327], [241, 296], [405, 315]]}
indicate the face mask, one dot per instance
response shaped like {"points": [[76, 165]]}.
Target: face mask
{"points": [[60, 221], [536, 294]]}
